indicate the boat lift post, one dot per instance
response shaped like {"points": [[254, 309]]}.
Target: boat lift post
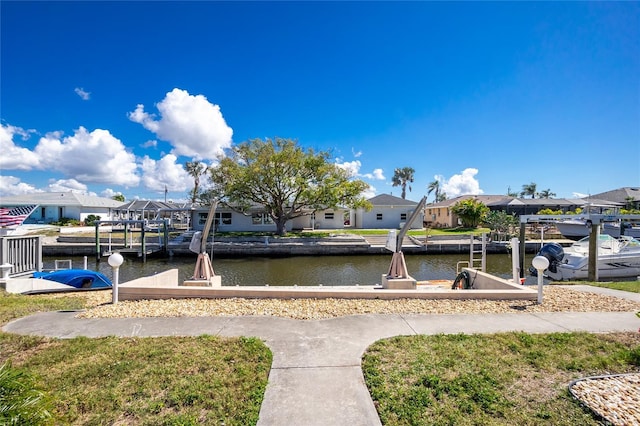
{"points": [[398, 268], [204, 269]]}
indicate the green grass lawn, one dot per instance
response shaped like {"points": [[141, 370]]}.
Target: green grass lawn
{"points": [[631, 286], [142, 381], [500, 379]]}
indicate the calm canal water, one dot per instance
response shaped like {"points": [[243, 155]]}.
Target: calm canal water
{"points": [[302, 271]]}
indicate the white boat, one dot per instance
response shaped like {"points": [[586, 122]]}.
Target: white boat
{"points": [[617, 258], [574, 229]]}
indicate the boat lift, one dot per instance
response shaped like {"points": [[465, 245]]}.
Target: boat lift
{"points": [[398, 276], [596, 221], [143, 250]]}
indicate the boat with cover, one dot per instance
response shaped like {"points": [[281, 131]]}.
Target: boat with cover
{"points": [[76, 278], [617, 258]]}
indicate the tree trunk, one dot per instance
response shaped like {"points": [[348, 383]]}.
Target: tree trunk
{"points": [[280, 230]]}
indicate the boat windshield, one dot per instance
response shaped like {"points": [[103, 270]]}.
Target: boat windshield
{"points": [[605, 241], [629, 242]]}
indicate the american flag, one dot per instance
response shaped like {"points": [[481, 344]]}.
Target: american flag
{"points": [[10, 216]]}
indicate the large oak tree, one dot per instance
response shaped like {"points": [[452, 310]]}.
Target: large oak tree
{"points": [[286, 180]]}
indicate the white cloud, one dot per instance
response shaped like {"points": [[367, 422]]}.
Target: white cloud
{"points": [[370, 192], [191, 124], [150, 144], [352, 167], [11, 185], [14, 157], [82, 93], [462, 184], [109, 193], [579, 195], [67, 185], [377, 175], [156, 175], [356, 154], [94, 157]]}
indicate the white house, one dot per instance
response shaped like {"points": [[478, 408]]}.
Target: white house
{"points": [[388, 212], [256, 220], [53, 206]]}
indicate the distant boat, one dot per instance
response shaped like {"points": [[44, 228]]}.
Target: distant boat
{"points": [[617, 258], [575, 229], [76, 278]]}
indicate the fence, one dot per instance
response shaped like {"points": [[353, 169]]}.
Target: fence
{"points": [[23, 252]]}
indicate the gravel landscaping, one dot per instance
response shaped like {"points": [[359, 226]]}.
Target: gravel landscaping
{"points": [[555, 299]]}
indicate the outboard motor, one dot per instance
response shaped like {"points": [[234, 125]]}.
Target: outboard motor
{"points": [[554, 254]]}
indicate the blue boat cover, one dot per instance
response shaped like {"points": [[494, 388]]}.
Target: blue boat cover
{"points": [[78, 278]]}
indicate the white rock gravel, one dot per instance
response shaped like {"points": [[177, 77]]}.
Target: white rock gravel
{"points": [[615, 398], [555, 300]]}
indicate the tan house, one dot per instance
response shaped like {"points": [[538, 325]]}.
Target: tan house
{"points": [[439, 215]]}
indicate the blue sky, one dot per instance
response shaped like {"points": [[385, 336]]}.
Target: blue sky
{"points": [[114, 97]]}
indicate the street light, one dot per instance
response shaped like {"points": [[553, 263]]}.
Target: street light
{"points": [[540, 263], [115, 260]]}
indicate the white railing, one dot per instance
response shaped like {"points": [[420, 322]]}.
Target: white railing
{"points": [[24, 253]]}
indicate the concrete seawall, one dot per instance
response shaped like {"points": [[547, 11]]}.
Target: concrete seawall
{"points": [[283, 247]]}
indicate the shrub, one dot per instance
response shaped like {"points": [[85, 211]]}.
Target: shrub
{"points": [[66, 221], [91, 220]]}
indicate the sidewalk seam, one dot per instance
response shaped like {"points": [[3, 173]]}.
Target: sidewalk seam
{"points": [[537, 316], [408, 325]]}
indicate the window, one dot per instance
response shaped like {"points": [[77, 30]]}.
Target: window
{"points": [[328, 216], [403, 216], [223, 218], [261, 219], [379, 216], [220, 218]]}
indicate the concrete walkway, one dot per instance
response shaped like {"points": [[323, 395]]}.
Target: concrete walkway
{"points": [[316, 377]]}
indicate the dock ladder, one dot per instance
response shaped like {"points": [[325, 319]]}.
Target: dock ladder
{"points": [[475, 262]]}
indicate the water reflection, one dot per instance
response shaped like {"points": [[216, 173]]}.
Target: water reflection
{"points": [[302, 271]]}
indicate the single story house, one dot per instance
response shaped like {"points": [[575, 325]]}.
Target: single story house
{"points": [[53, 206], [256, 220], [626, 196], [439, 215], [387, 212]]}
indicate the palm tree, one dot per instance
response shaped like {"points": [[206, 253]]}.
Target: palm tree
{"points": [[195, 170], [529, 189], [434, 186], [401, 177], [511, 193], [546, 194]]}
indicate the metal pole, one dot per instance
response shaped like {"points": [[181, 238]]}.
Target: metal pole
{"points": [[540, 285], [116, 278]]}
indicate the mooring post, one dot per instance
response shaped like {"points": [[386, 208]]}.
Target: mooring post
{"points": [[97, 241], [165, 240], [523, 246], [594, 237], [143, 244]]}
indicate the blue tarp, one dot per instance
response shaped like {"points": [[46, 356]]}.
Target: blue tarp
{"points": [[78, 278]]}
